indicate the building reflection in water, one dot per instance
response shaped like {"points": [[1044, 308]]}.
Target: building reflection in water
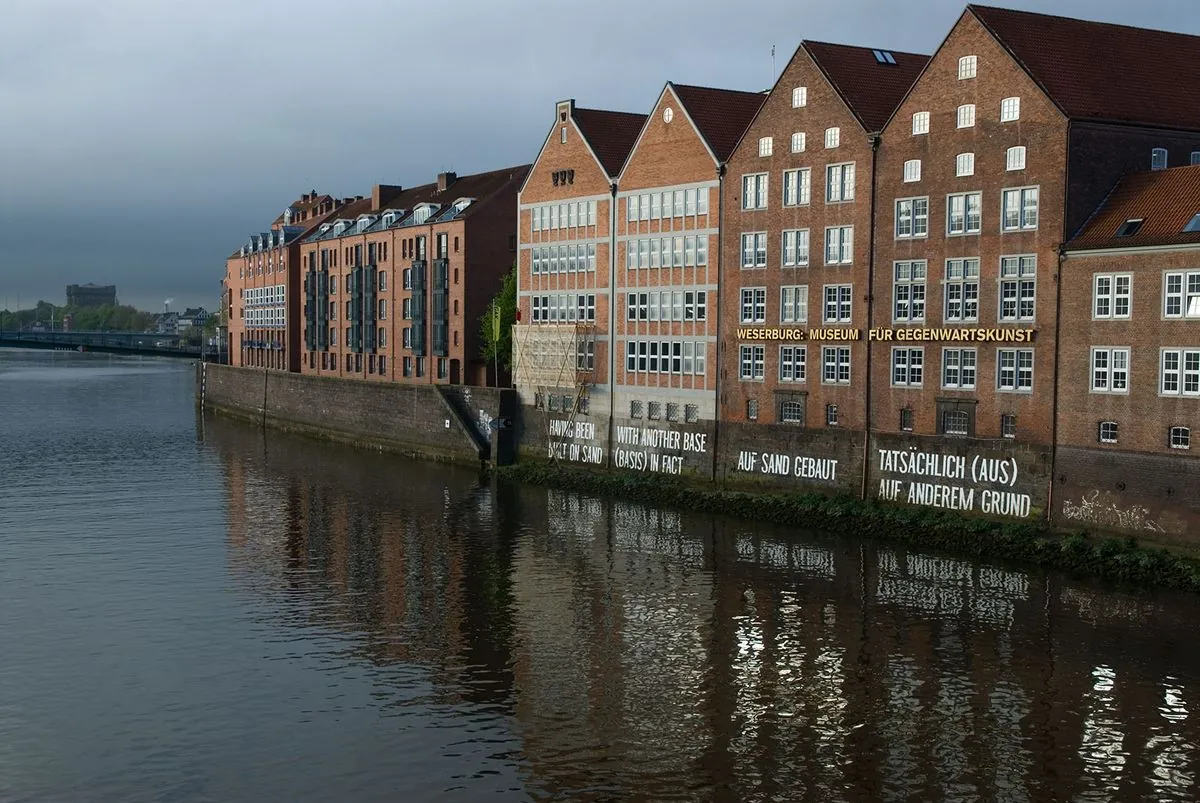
{"points": [[606, 650]]}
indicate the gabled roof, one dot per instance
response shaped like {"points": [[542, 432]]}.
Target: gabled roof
{"points": [[720, 115], [1100, 71], [610, 135], [1165, 201], [870, 88]]}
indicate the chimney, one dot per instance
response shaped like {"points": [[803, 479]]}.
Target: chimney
{"points": [[445, 180], [380, 191]]}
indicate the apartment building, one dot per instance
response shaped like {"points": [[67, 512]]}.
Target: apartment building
{"points": [[261, 287], [396, 284], [565, 233], [1009, 139], [668, 253], [798, 208]]}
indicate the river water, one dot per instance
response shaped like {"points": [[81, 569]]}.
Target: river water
{"points": [[194, 610]]}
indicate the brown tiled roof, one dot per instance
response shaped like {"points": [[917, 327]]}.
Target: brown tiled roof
{"points": [[478, 186], [1100, 71], [721, 115], [872, 90], [301, 205], [610, 134], [1166, 200]]}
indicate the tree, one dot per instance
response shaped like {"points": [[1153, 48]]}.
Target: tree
{"points": [[506, 302]]}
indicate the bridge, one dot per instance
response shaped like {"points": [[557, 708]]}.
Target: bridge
{"points": [[103, 342]]}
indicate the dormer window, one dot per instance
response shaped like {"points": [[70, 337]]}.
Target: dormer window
{"points": [[339, 227], [462, 203], [364, 222], [1129, 227], [1158, 159], [422, 213], [1193, 225]]}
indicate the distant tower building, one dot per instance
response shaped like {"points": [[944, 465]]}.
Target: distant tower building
{"points": [[91, 295]]}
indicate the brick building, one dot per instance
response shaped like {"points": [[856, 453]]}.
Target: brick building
{"points": [[1129, 360], [1005, 144], [91, 295], [566, 230], [395, 285], [798, 209], [261, 287], [667, 253]]}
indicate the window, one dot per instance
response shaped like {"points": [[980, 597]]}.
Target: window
{"points": [[835, 361], [654, 410], [1111, 295], [964, 165], [966, 115], [1010, 110], [797, 187], [839, 245], [754, 191], [766, 146], [799, 97], [754, 250], [1008, 425], [793, 304], [754, 305], [920, 123], [967, 65], [908, 290], [838, 303], [912, 170], [1179, 373], [839, 183], [1018, 288], [912, 217], [1181, 295], [1014, 370], [1158, 159], [964, 213], [752, 409], [791, 411], [635, 409], [1020, 209], [1195, 158], [1107, 432], [406, 337], [562, 135], [1193, 225], [1180, 438], [1015, 158], [795, 248], [672, 411], [833, 137], [1130, 227], [752, 363], [382, 309], [798, 142], [956, 422], [831, 415], [793, 363], [958, 368], [906, 420], [383, 279], [908, 367], [381, 336], [691, 413], [407, 278], [1110, 370]]}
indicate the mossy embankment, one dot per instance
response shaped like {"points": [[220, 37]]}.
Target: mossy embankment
{"points": [[1031, 544]]}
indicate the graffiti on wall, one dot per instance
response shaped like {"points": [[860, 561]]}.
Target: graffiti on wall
{"points": [[1103, 509]]}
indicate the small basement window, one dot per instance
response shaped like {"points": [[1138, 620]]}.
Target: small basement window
{"points": [[1130, 227]]}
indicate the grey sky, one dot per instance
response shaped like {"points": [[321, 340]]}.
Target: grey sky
{"points": [[142, 140]]}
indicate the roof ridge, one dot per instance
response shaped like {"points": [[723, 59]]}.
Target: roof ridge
{"points": [[864, 47], [720, 89], [608, 111], [972, 6]]}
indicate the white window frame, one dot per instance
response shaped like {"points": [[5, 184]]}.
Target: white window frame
{"points": [[1018, 371], [841, 176], [968, 67], [1028, 215], [1187, 298], [843, 243], [909, 290], [799, 142], [766, 146], [793, 364], [955, 371], [908, 367], [799, 97], [836, 368], [797, 183], [965, 116], [1185, 373], [1014, 158], [1024, 286], [754, 190], [752, 363], [1109, 298], [917, 224], [1113, 430], [1179, 437], [1010, 110], [1159, 159], [1109, 370], [753, 308], [920, 123], [912, 171], [795, 253], [833, 137], [793, 303], [754, 242], [964, 165], [961, 273], [967, 230], [840, 299]]}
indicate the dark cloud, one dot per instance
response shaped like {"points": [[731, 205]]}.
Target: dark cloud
{"points": [[141, 141]]}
